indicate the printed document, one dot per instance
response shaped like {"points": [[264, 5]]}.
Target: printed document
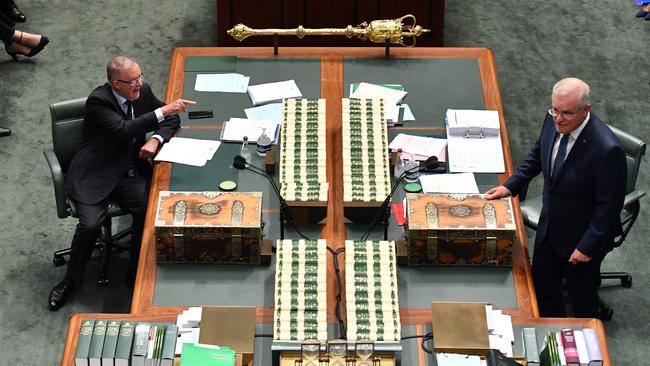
{"points": [[273, 92], [236, 128], [188, 151], [449, 183], [474, 141], [227, 83]]}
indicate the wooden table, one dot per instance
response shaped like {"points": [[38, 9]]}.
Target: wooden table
{"points": [[75, 323], [332, 88]]}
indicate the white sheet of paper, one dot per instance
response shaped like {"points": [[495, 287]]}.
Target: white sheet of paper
{"points": [[453, 359], [270, 112], [273, 92], [418, 145], [227, 83], [449, 183], [371, 91], [236, 128], [408, 114], [188, 151]]}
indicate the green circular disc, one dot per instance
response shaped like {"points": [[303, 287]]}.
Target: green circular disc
{"points": [[413, 187], [227, 185]]}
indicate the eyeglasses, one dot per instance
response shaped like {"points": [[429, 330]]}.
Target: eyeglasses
{"points": [[566, 115], [134, 81]]}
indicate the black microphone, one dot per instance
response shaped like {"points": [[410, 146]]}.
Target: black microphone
{"points": [[430, 164], [239, 162]]}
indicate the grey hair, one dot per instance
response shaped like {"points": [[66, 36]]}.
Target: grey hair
{"points": [[116, 64], [571, 86]]}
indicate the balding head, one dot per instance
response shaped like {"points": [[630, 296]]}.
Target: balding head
{"points": [[572, 87], [117, 64]]}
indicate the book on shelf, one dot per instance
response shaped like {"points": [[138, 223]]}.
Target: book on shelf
{"points": [[531, 350], [110, 342], [201, 354], [97, 343], [140, 342], [169, 345], [570, 349], [83, 342], [124, 343], [593, 348]]}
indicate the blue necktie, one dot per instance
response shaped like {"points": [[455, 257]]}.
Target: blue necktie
{"points": [[129, 109], [561, 155]]}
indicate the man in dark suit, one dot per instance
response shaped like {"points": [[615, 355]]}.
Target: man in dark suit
{"points": [[110, 162], [585, 172]]}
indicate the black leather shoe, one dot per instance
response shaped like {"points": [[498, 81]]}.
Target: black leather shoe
{"points": [[4, 131], [14, 13], [39, 47], [59, 295]]}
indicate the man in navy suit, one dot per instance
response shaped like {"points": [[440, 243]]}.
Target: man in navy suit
{"points": [[584, 169], [111, 162]]}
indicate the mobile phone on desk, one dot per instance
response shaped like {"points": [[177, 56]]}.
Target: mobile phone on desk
{"points": [[199, 114]]}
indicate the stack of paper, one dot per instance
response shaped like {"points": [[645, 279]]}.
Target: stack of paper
{"points": [[391, 94], [188, 151], [449, 183], [501, 334], [229, 83], [474, 141], [420, 146], [270, 112], [236, 128], [273, 92]]}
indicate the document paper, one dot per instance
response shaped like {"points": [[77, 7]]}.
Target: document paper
{"points": [[188, 151], [273, 92], [449, 183], [473, 143], [236, 128], [228, 83]]}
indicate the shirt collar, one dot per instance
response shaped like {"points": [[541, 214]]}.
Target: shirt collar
{"points": [[120, 99], [575, 133]]}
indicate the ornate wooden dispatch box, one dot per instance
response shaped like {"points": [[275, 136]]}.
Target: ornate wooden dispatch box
{"points": [[458, 229], [209, 227]]}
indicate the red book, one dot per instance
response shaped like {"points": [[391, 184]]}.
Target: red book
{"points": [[570, 348]]}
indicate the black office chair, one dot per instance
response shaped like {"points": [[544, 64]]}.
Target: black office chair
{"points": [[635, 150], [67, 120]]}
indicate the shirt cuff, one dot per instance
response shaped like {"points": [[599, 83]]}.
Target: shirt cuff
{"points": [[159, 138], [159, 114]]}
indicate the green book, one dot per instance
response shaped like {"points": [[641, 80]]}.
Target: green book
{"points": [[195, 355], [110, 342], [83, 342], [97, 343], [169, 345], [124, 343], [140, 343]]}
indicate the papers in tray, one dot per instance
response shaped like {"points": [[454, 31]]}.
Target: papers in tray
{"points": [[273, 92], [236, 128], [474, 141], [420, 146], [228, 83], [449, 183], [188, 151]]}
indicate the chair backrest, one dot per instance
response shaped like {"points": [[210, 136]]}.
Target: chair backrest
{"points": [[634, 149], [67, 121]]}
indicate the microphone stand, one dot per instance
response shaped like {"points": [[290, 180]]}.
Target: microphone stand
{"points": [[285, 214], [431, 162]]}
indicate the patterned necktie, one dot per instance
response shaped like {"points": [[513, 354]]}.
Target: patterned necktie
{"points": [[561, 155]]}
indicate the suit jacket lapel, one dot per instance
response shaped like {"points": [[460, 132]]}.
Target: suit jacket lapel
{"points": [[576, 151]]}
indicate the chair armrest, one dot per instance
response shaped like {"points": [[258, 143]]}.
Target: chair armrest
{"points": [[633, 197], [58, 183]]}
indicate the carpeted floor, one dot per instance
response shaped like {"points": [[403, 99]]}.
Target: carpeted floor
{"points": [[534, 45]]}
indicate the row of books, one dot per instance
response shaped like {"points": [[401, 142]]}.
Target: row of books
{"points": [[115, 342], [563, 347]]}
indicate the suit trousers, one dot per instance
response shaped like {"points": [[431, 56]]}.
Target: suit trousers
{"points": [[131, 193], [582, 281], [6, 28]]}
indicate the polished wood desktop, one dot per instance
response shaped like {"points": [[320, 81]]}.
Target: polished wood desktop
{"points": [[334, 230]]}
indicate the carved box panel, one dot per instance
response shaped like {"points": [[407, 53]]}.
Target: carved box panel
{"points": [[459, 229], [208, 227]]}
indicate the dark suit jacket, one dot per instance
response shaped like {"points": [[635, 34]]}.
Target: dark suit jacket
{"points": [[110, 143], [581, 206]]}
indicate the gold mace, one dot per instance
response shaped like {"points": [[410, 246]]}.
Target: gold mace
{"points": [[379, 31]]}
